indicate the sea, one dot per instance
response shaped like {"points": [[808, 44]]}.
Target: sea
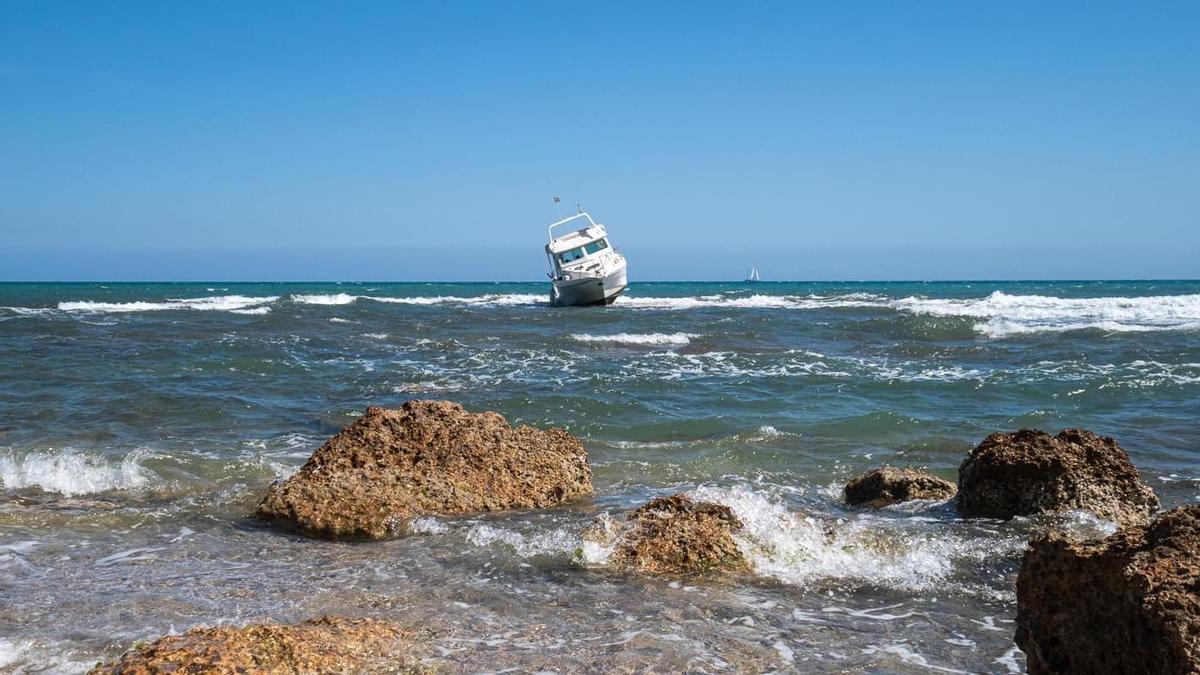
{"points": [[141, 423]]}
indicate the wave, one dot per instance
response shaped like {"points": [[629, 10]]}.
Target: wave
{"points": [[652, 339], [790, 547], [1008, 315], [799, 550], [998, 315], [754, 301], [495, 299], [331, 299], [213, 303], [70, 473]]}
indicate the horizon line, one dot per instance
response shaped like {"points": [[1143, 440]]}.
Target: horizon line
{"points": [[649, 281]]}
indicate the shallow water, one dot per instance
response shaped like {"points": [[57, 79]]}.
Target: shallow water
{"points": [[140, 424]]}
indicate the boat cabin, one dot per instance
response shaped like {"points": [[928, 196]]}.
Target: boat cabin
{"points": [[577, 253]]}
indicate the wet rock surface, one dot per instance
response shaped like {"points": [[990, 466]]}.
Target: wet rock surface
{"points": [[890, 485], [676, 535], [426, 457], [1129, 603], [326, 645], [1030, 471]]}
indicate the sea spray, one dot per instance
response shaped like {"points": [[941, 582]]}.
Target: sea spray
{"points": [[71, 473]]}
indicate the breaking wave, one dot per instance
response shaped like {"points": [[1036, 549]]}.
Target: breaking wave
{"points": [[1007, 315], [910, 553], [998, 315], [651, 339], [215, 303], [71, 473], [497, 299], [796, 549]]}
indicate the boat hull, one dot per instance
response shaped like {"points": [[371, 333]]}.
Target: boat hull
{"points": [[590, 291]]}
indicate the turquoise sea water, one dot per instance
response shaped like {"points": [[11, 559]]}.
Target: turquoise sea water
{"points": [[140, 423]]}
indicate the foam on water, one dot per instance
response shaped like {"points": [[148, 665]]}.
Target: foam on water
{"points": [[1007, 315], [70, 473], [552, 542], [28, 656], [759, 301], [213, 303], [491, 299], [328, 299], [908, 554], [800, 550], [640, 339]]}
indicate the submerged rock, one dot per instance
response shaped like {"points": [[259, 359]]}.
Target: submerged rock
{"points": [[426, 457], [675, 535], [1129, 603], [1030, 472], [326, 645], [889, 485]]}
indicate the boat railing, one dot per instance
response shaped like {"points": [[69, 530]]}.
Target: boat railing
{"points": [[564, 221]]}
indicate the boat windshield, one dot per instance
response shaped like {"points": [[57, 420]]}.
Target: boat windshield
{"points": [[596, 246], [589, 248], [571, 255]]}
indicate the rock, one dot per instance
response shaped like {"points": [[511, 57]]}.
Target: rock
{"points": [[1129, 603], [425, 457], [676, 535], [326, 645], [1030, 472], [888, 485]]}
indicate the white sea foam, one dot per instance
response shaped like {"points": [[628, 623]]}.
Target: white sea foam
{"points": [[799, 550], [1007, 315], [211, 303], [647, 339], [552, 542], [491, 299], [32, 656], [332, 299], [69, 472], [754, 301]]}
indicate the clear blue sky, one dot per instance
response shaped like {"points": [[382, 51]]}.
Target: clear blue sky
{"points": [[371, 140]]}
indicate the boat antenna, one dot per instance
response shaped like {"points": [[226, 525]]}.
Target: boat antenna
{"points": [[557, 207], [578, 208]]}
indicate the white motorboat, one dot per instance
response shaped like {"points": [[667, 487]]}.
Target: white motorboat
{"points": [[585, 269]]}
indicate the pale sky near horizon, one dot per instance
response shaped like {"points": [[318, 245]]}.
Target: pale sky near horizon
{"points": [[376, 140]]}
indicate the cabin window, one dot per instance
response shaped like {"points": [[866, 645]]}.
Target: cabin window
{"points": [[570, 256], [596, 246]]}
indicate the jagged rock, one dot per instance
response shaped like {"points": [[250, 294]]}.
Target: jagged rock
{"points": [[1030, 472], [1129, 603], [675, 535], [426, 457], [326, 645], [888, 485]]}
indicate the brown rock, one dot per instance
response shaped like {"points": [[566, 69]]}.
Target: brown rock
{"points": [[888, 485], [1129, 603], [1030, 472], [677, 535], [426, 457], [326, 645]]}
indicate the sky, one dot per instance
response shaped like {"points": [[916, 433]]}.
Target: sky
{"points": [[424, 141]]}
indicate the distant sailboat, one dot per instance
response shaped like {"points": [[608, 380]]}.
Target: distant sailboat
{"points": [[752, 275]]}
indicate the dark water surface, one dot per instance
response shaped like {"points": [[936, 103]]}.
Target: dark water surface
{"points": [[140, 424]]}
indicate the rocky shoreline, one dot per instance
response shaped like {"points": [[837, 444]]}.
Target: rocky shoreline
{"points": [[434, 458]]}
